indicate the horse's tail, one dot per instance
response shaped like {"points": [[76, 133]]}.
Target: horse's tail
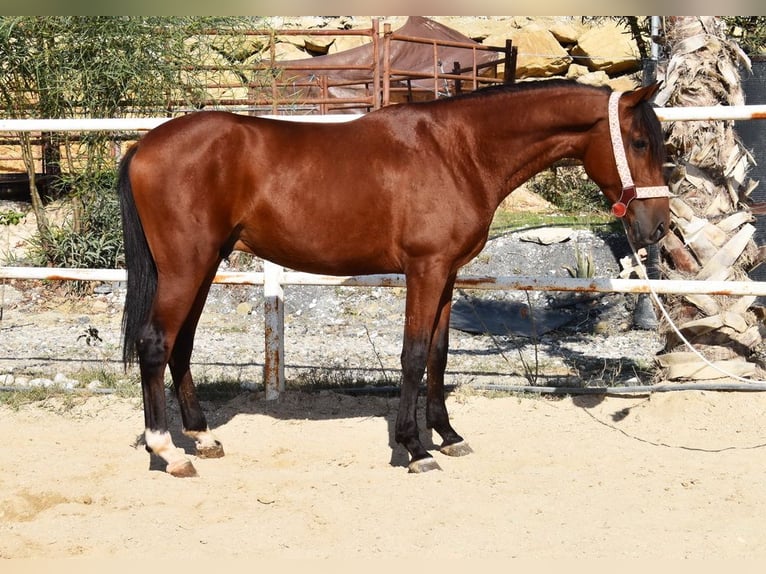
{"points": [[141, 269]]}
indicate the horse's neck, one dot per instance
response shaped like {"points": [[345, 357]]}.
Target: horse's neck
{"points": [[526, 132]]}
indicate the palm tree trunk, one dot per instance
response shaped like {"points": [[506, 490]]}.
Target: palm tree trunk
{"points": [[712, 231]]}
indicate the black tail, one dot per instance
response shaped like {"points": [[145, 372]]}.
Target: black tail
{"points": [[142, 272]]}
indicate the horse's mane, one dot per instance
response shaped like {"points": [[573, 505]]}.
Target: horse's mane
{"points": [[644, 112], [552, 83]]}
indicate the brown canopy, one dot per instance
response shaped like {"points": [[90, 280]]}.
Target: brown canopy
{"points": [[414, 57]]}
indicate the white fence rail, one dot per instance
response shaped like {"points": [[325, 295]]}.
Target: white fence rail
{"points": [[481, 282], [274, 278], [696, 113]]}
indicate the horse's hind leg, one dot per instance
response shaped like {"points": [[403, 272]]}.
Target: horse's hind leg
{"points": [[152, 356], [194, 421], [178, 295]]}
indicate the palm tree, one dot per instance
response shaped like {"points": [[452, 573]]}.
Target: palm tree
{"points": [[712, 231]]}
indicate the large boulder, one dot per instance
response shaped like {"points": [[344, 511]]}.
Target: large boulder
{"points": [[608, 47], [540, 54], [566, 32]]}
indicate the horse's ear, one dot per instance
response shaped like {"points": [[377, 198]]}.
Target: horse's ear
{"points": [[641, 94]]}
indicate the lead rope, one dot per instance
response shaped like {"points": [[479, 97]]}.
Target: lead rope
{"points": [[619, 209], [676, 330]]}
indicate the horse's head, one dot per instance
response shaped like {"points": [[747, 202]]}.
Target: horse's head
{"points": [[626, 160]]}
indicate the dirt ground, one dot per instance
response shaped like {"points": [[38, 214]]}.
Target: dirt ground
{"points": [[674, 475]]}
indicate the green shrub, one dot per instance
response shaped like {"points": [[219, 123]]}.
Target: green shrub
{"points": [[569, 189], [92, 237], [11, 217]]}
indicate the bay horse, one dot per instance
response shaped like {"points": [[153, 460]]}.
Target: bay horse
{"points": [[408, 189]]}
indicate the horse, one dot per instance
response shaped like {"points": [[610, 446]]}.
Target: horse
{"points": [[408, 189]]}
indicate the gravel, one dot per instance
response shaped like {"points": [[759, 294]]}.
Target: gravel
{"points": [[49, 337]]}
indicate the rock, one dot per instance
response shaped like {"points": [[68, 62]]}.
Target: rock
{"points": [[40, 382], [547, 235], [547, 45], [540, 54], [244, 308], [343, 43], [490, 31], [644, 316], [565, 32], [100, 307], [61, 380], [599, 78], [285, 50], [576, 71], [623, 83], [103, 289], [10, 295], [527, 201], [609, 48]]}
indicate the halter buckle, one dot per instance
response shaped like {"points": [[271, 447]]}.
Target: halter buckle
{"points": [[620, 208]]}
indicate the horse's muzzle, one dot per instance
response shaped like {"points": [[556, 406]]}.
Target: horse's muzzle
{"points": [[641, 235]]}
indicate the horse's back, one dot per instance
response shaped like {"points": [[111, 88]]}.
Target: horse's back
{"points": [[353, 197]]}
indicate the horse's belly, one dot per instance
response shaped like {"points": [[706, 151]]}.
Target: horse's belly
{"points": [[335, 260]]}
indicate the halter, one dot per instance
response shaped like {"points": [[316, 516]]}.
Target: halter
{"points": [[629, 189]]}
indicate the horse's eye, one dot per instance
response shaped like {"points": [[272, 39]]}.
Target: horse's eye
{"points": [[640, 144]]}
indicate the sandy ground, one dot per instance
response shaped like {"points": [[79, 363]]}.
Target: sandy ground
{"points": [[675, 475]]}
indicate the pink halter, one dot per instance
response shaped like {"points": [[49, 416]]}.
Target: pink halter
{"points": [[629, 189]]}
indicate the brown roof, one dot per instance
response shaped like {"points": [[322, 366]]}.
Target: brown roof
{"points": [[411, 56]]}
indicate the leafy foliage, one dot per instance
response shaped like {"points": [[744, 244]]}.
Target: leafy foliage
{"points": [[92, 238], [10, 217], [749, 32], [569, 189], [102, 67]]}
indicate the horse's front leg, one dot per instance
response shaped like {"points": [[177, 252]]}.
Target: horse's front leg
{"points": [[152, 357], [425, 290], [414, 354], [437, 417]]}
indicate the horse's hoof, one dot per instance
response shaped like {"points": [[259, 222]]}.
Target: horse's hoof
{"points": [[210, 450], [423, 465], [182, 469], [461, 448]]}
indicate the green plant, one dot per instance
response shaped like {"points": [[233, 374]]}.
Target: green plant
{"points": [[105, 67], [336, 378], [91, 238], [505, 221], [584, 267], [569, 189], [218, 391], [749, 32], [11, 217], [90, 336]]}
